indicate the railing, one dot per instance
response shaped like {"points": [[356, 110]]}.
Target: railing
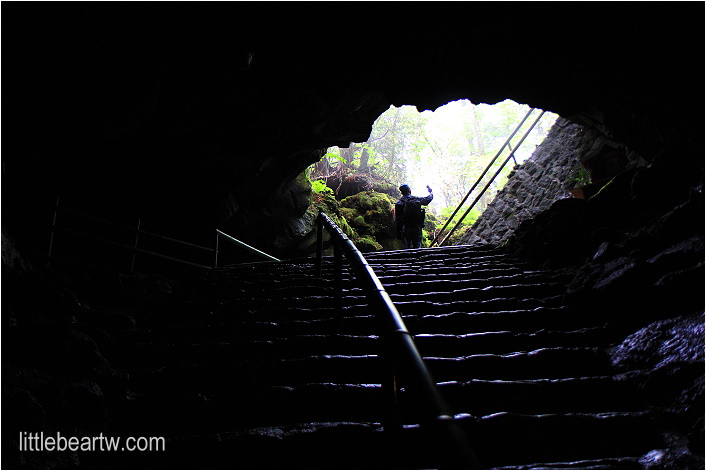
{"points": [[134, 249], [243, 245], [401, 353], [482, 192]]}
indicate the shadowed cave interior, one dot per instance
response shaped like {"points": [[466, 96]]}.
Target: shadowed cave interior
{"points": [[573, 341]]}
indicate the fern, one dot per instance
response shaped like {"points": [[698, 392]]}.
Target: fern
{"points": [[319, 186]]}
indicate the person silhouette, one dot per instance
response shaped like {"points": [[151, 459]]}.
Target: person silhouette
{"points": [[409, 216]]}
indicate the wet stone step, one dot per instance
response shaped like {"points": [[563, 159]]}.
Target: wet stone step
{"points": [[244, 373], [506, 439], [490, 305], [480, 294], [627, 462], [236, 319], [476, 248], [541, 396], [507, 341], [310, 445], [518, 320], [316, 301], [124, 354], [406, 282], [410, 284], [174, 413], [536, 364], [471, 271], [462, 264]]}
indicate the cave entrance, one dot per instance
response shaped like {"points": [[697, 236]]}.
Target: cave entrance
{"points": [[447, 149]]}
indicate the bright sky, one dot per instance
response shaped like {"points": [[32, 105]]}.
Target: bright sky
{"points": [[449, 118]]}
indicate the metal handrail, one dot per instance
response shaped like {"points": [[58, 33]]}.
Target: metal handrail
{"points": [[127, 247], [482, 192], [490, 164], [242, 244], [401, 351], [134, 248], [137, 231]]}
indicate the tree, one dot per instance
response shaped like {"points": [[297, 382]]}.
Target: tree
{"points": [[448, 148]]}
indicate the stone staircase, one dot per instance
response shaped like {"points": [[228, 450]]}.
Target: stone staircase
{"points": [[262, 366]]}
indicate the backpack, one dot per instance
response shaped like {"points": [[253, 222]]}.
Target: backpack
{"points": [[410, 213]]}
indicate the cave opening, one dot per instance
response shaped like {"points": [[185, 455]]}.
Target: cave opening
{"points": [[586, 325], [464, 151]]}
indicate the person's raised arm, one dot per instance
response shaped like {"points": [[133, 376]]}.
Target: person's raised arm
{"points": [[427, 199]]}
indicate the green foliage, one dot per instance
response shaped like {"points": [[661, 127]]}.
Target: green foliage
{"points": [[448, 149], [370, 214], [580, 177], [468, 220], [467, 223], [334, 154], [319, 186], [368, 244]]}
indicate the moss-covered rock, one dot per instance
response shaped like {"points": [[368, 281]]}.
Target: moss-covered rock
{"points": [[370, 214], [347, 181], [367, 244]]}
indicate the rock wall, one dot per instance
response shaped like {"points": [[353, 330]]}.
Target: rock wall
{"points": [[206, 120], [534, 185]]}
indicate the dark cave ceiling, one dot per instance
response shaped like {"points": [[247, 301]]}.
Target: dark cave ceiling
{"points": [[174, 107]]}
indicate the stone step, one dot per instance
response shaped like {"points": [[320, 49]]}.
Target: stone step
{"points": [[127, 354], [252, 372], [481, 300], [424, 308], [458, 293], [310, 445], [259, 406], [527, 320], [477, 317], [541, 396], [318, 300], [508, 439], [451, 282], [507, 341], [404, 284], [471, 271], [537, 364], [224, 373], [626, 462], [178, 412]]}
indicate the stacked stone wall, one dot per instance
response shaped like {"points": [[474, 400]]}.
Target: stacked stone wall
{"points": [[547, 176]]}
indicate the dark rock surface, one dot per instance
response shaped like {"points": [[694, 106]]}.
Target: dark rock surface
{"points": [[201, 117], [206, 120]]}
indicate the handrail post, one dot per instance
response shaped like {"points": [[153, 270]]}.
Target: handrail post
{"points": [[502, 166], [134, 250], [338, 274], [397, 351], [51, 234], [319, 244], [215, 253], [391, 423], [490, 164]]}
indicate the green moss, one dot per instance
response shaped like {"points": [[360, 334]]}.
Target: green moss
{"points": [[303, 181], [370, 212], [362, 217], [368, 244], [319, 186]]}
